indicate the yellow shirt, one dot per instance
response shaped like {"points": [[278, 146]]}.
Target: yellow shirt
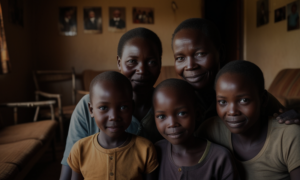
{"points": [[278, 157], [131, 161]]}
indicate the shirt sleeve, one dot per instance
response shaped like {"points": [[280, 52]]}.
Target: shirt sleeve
{"points": [[151, 163], [73, 159], [291, 147], [78, 128]]}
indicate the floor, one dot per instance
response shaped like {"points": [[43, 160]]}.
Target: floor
{"points": [[46, 168]]}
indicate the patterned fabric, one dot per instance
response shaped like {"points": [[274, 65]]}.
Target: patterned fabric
{"points": [[286, 87]]}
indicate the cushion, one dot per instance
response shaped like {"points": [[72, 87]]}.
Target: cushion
{"points": [[19, 153], [8, 171], [40, 130]]}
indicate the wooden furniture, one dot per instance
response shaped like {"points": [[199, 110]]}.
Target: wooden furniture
{"points": [[166, 72], [286, 88], [60, 111], [22, 145]]}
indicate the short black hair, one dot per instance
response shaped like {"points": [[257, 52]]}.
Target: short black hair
{"points": [[113, 77], [142, 33], [247, 69], [208, 28], [179, 85]]}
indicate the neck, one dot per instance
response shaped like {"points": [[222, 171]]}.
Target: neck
{"points": [[185, 147], [108, 142]]}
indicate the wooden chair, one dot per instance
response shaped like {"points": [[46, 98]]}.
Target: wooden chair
{"points": [[61, 112]]}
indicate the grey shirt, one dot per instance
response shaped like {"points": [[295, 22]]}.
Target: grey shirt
{"points": [[83, 125]]}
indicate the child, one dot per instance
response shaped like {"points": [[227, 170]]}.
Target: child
{"points": [[139, 59], [181, 155], [112, 153], [264, 148]]}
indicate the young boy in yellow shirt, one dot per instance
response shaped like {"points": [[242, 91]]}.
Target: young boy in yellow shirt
{"points": [[112, 153]]}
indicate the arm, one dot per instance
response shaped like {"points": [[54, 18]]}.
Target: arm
{"points": [[78, 129], [295, 174], [76, 176]]}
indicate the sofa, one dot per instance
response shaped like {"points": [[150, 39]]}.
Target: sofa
{"points": [[22, 145], [286, 88]]}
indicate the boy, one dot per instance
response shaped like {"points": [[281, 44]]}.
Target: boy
{"points": [[264, 148], [181, 155], [112, 153]]}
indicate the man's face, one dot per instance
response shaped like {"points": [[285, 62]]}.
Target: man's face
{"points": [[117, 14], [92, 14]]}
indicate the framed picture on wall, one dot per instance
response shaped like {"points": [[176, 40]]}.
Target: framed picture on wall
{"points": [[67, 22], [293, 15], [262, 10], [279, 14], [117, 19], [143, 15], [92, 17], [16, 10]]}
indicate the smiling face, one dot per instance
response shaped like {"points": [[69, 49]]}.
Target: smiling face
{"points": [[239, 103], [140, 63], [112, 108], [196, 58], [174, 115]]}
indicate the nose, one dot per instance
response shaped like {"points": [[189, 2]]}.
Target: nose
{"points": [[141, 68], [190, 64], [233, 110], [172, 122], [113, 115]]}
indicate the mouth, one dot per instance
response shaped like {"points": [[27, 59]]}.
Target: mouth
{"points": [[236, 122], [141, 81], [114, 128], [196, 78], [175, 135]]}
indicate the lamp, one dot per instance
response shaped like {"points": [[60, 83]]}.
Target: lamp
{"points": [[4, 58]]}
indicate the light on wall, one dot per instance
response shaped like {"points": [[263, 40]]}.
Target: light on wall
{"points": [[4, 59]]}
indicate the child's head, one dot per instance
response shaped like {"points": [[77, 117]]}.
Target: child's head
{"points": [[196, 46], [175, 109], [139, 58], [241, 95], [111, 102]]}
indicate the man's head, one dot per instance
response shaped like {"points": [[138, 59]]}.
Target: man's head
{"points": [[91, 14], [117, 13], [111, 103]]}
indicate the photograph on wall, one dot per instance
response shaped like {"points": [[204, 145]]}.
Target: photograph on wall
{"points": [[67, 21], [16, 10], [262, 12], [92, 20], [143, 15], [279, 14], [117, 19], [293, 15]]}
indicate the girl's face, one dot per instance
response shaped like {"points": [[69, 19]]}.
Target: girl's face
{"points": [[196, 58], [140, 63], [238, 103]]}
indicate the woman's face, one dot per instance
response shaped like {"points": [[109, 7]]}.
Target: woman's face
{"points": [[196, 58], [140, 63]]}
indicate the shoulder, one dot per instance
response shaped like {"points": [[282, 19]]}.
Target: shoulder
{"points": [[220, 151], [142, 142], [161, 144], [85, 142], [292, 130], [211, 125]]}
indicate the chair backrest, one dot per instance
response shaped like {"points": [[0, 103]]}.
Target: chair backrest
{"points": [[286, 84], [166, 72], [44, 77]]}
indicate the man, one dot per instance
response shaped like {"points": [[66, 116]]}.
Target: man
{"points": [[92, 22], [116, 21]]}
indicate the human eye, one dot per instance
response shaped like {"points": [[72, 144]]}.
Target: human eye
{"points": [[124, 107], [161, 116], [201, 54], [244, 101], [103, 108], [222, 102], [152, 62], [182, 113], [179, 58], [132, 61]]}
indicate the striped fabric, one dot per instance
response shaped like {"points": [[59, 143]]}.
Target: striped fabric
{"points": [[286, 87]]}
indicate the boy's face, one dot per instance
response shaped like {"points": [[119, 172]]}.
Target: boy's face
{"points": [[174, 115], [140, 63], [238, 102], [111, 108], [196, 58]]}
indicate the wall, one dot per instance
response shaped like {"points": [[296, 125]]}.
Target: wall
{"points": [[270, 46], [18, 85], [98, 51]]}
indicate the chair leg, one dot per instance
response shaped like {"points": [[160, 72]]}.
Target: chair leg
{"points": [[62, 135], [53, 150]]}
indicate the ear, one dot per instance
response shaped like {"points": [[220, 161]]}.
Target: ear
{"points": [[91, 109], [119, 62]]}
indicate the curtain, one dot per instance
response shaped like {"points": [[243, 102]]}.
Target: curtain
{"points": [[4, 59]]}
